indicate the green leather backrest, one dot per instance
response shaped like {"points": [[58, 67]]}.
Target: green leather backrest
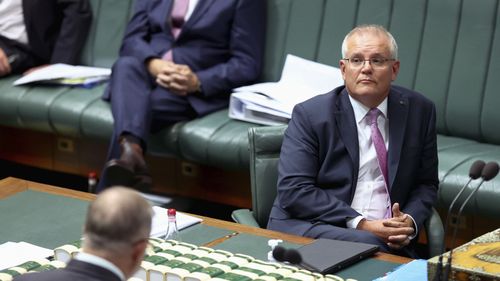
{"points": [[448, 48], [106, 34], [265, 147], [293, 27], [490, 114]]}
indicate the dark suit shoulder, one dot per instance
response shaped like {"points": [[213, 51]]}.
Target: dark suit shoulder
{"points": [[321, 104], [411, 95]]}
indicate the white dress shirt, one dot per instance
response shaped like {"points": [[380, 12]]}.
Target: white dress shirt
{"points": [[192, 5], [12, 21], [98, 261]]}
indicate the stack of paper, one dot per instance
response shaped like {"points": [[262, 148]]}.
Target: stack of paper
{"points": [[160, 221], [65, 74], [272, 103]]}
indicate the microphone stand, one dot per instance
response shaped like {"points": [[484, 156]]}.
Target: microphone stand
{"points": [[475, 171], [489, 172]]}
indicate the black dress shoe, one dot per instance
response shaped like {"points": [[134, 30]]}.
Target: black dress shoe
{"points": [[143, 182], [130, 170], [117, 172]]}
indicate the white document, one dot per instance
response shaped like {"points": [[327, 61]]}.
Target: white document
{"points": [[272, 102], [66, 74], [160, 221], [16, 253]]}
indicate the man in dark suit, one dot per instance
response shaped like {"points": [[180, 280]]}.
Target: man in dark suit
{"points": [[116, 235], [360, 163], [38, 32], [176, 66]]}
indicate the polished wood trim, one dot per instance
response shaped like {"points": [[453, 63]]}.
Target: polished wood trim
{"points": [[10, 186], [240, 228], [391, 258]]}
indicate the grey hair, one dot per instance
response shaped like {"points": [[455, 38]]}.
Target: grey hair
{"points": [[117, 219], [393, 46]]}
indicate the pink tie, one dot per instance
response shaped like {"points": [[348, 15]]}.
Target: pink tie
{"points": [[179, 11], [378, 143]]}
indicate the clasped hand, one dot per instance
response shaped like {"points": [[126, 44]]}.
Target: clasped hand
{"points": [[178, 78], [395, 231], [4, 63]]}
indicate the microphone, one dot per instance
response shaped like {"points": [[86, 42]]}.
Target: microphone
{"points": [[279, 253], [294, 257], [490, 171], [291, 256], [474, 172]]}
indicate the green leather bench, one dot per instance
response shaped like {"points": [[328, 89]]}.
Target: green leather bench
{"points": [[448, 49]]}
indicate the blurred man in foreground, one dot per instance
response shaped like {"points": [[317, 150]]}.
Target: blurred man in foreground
{"points": [[115, 236]]}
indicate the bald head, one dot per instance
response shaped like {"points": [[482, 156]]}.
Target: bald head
{"points": [[118, 218]]}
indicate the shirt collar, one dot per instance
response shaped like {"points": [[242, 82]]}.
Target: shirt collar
{"points": [[360, 110], [98, 261]]}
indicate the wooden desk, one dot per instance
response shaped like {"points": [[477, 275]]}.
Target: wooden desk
{"points": [[11, 186]]}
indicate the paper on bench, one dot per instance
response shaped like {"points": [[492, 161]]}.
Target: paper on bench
{"points": [[15, 253], [66, 74], [160, 221], [273, 102]]}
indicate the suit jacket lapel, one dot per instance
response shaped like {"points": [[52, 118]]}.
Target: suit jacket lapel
{"points": [[347, 129], [200, 9], [397, 113]]}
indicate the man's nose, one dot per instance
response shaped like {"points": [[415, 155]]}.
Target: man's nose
{"points": [[367, 66]]}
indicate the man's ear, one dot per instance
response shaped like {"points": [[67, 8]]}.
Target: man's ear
{"points": [[342, 66], [139, 250], [395, 69]]}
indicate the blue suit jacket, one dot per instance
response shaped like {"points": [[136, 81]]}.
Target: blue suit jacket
{"points": [[319, 161], [222, 42]]}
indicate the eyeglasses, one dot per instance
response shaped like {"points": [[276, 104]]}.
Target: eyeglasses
{"points": [[374, 62]]}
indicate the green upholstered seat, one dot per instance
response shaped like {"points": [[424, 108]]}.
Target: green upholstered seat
{"points": [[265, 147]]}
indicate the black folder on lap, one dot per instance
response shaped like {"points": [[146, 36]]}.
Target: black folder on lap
{"points": [[329, 256]]}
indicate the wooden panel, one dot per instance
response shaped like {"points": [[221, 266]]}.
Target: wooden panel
{"points": [[213, 184], [171, 176], [26, 147], [469, 227]]}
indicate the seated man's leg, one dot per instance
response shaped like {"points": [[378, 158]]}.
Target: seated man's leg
{"points": [[135, 102]]}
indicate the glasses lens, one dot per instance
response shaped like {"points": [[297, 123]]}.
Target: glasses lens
{"points": [[356, 62], [377, 62]]}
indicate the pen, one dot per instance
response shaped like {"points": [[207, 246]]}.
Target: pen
{"points": [[12, 58], [220, 239]]}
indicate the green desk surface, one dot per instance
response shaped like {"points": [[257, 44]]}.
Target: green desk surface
{"points": [[42, 219], [50, 221], [256, 246]]}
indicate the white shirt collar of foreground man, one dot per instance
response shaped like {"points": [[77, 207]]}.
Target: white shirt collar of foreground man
{"points": [[95, 260]]}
